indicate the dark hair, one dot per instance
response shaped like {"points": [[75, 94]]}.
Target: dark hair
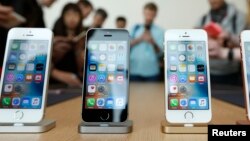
{"points": [[151, 6], [85, 3], [102, 13], [60, 27], [120, 18]]}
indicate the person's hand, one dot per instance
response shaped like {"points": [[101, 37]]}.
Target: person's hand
{"points": [[216, 50], [60, 48], [146, 36], [66, 77], [7, 18]]}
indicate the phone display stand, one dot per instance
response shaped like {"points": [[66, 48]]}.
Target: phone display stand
{"points": [[243, 122], [183, 128], [40, 127], [105, 127]]}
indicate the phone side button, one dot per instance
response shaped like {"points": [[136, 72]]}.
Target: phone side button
{"points": [[18, 115], [189, 115]]}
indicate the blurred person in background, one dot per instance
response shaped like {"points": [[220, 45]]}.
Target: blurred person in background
{"points": [[31, 10], [121, 22], [86, 8], [65, 52], [146, 47], [98, 20], [227, 22]]}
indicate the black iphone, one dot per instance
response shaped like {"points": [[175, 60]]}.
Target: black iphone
{"points": [[106, 76]]}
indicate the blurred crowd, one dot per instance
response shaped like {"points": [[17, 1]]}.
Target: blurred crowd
{"points": [[146, 38]]}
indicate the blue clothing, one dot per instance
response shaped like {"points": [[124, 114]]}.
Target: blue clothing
{"points": [[143, 57]]}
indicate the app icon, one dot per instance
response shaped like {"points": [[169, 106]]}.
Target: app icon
{"points": [[13, 56], [19, 88], [100, 102], [30, 67], [183, 89], [120, 78], [93, 57], [11, 66], [41, 47], [28, 77], [119, 102], [183, 102], [41, 57], [111, 57], [16, 101], [190, 47], [102, 57], [121, 57], [172, 47], [24, 46], [199, 47], [181, 47], [19, 78], [112, 47], [182, 68], [111, 77], [22, 56], [121, 47], [182, 57], [25, 101], [200, 68], [193, 102], [111, 67], [14, 46], [39, 67], [101, 88], [32, 46], [92, 78], [191, 58], [201, 78], [102, 67], [10, 77], [91, 89], [38, 77], [20, 67], [174, 103], [103, 47], [191, 68], [173, 78], [120, 67], [8, 88], [202, 102], [173, 89], [183, 78], [93, 47], [101, 78], [191, 78], [200, 56], [173, 68], [35, 101], [91, 102], [109, 103], [92, 67], [173, 58], [6, 101]]}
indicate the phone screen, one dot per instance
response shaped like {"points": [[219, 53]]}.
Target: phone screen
{"points": [[247, 58], [187, 75], [106, 79], [23, 79]]}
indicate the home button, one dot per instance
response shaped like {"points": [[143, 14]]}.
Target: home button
{"points": [[189, 115], [104, 116], [18, 115]]}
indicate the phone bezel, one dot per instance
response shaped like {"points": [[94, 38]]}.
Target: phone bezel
{"points": [[29, 115], [245, 38], [93, 115], [178, 116]]}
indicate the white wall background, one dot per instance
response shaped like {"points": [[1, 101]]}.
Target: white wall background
{"points": [[172, 13]]}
